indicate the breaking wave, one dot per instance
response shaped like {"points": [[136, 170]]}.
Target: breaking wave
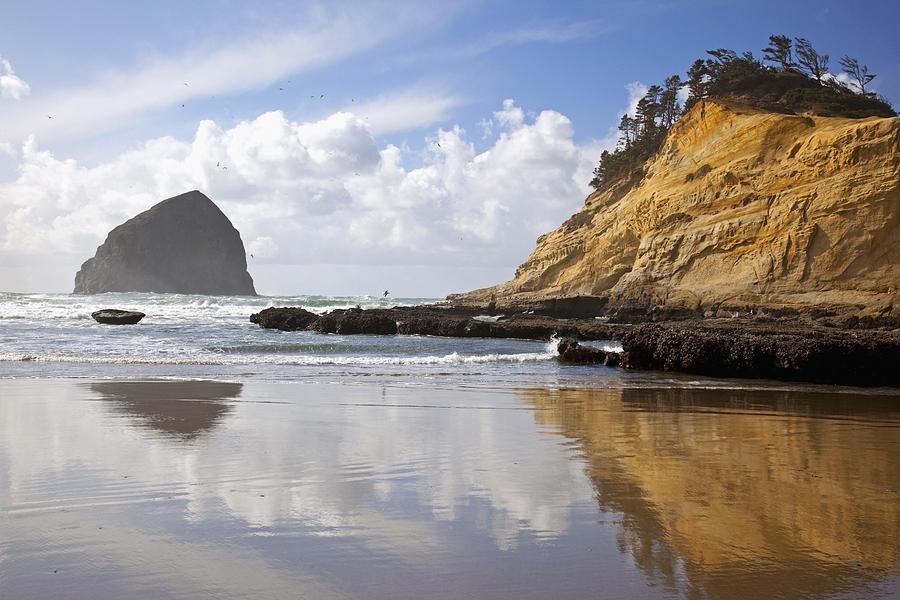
{"points": [[294, 360]]}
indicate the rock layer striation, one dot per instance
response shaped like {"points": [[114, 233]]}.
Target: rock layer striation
{"points": [[740, 208]]}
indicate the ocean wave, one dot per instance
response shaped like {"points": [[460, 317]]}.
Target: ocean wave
{"points": [[453, 358], [162, 308]]}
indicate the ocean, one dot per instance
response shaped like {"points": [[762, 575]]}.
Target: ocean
{"points": [[53, 335], [197, 455]]}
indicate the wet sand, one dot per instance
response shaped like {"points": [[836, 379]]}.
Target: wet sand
{"points": [[167, 489]]}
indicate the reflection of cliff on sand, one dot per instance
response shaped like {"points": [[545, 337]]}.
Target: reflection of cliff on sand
{"points": [[182, 409], [747, 493]]}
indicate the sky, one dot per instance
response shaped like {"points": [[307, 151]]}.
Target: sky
{"points": [[357, 146]]}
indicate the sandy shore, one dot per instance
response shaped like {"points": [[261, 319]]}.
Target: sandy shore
{"points": [[152, 489]]}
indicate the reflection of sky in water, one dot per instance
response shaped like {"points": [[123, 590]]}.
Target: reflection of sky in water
{"points": [[393, 491]]}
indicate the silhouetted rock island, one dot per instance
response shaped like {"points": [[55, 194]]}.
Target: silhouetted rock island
{"points": [[183, 245]]}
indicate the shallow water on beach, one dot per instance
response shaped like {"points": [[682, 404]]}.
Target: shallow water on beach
{"points": [[379, 489]]}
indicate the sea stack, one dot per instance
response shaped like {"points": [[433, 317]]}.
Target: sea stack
{"points": [[183, 245]]}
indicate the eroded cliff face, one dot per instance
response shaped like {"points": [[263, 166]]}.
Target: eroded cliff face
{"points": [[740, 207]]}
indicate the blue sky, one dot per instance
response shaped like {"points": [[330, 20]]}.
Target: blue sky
{"points": [[113, 75]]}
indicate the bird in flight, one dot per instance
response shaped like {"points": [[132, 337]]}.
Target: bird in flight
{"points": [[386, 293], [49, 117]]}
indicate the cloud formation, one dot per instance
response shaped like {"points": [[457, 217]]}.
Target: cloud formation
{"points": [[240, 66], [318, 192], [12, 87]]}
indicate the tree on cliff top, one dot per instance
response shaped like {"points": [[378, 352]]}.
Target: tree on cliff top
{"points": [[859, 75], [801, 87], [779, 51], [810, 61]]}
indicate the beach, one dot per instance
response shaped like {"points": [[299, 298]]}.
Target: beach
{"points": [[197, 455], [358, 489]]}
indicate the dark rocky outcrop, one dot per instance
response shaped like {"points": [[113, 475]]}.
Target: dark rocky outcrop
{"points": [[785, 348], [571, 351], [285, 318], [864, 358], [115, 316], [183, 245], [433, 320]]}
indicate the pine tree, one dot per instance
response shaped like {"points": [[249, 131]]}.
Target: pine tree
{"points": [[859, 75], [779, 51], [668, 100], [696, 82], [810, 61]]}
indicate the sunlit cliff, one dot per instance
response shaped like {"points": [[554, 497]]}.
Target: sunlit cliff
{"points": [[740, 207]]}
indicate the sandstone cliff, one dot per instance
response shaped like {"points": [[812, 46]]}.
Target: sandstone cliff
{"points": [[183, 245], [739, 208]]}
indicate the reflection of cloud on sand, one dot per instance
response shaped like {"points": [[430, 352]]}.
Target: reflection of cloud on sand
{"points": [[752, 494], [329, 467], [280, 456]]}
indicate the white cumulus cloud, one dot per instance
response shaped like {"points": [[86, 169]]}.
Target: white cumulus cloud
{"points": [[12, 87], [316, 192]]}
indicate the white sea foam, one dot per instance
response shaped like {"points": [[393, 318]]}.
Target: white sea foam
{"points": [[294, 360], [49, 308]]}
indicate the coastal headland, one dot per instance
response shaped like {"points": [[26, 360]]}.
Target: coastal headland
{"points": [[754, 242]]}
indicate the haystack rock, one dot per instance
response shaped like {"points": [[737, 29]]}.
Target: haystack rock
{"points": [[740, 208], [183, 245]]}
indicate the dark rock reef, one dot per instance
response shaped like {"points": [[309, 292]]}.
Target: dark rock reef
{"points": [[183, 245], [786, 348], [115, 316], [864, 358], [433, 320], [284, 319], [571, 351]]}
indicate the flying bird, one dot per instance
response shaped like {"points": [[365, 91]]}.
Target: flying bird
{"points": [[386, 293], [322, 97], [49, 117]]}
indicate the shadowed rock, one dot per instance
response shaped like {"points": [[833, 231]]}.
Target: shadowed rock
{"points": [[432, 320], [114, 316], [285, 318], [766, 352], [183, 245], [571, 351]]}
